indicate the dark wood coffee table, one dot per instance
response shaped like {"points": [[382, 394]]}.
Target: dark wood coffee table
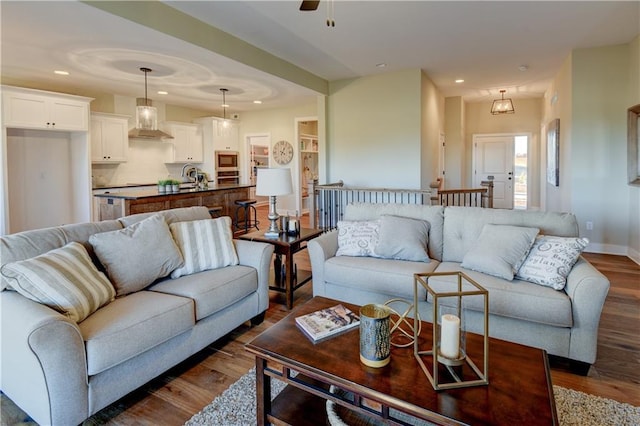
{"points": [[519, 390], [286, 278]]}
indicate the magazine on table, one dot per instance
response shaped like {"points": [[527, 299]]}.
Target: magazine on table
{"points": [[328, 322]]}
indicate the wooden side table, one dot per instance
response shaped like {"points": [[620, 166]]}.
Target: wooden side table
{"points": [[287, 277]]}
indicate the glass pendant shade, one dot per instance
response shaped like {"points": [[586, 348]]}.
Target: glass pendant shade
{"points": [[146, 118], [502, 106]]}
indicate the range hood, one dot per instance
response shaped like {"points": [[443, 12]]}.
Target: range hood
{"points": [[147, 122]]}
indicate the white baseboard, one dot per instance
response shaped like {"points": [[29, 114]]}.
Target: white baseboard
{"points": [[634, 255], [614, 249]]}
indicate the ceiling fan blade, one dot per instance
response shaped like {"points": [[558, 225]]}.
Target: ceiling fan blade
{"points": [[308, 5]]}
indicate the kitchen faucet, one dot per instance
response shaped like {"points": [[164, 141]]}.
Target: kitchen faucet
{"points": [[188, 176]]}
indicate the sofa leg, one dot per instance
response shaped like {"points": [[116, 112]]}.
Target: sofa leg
{"points": [[257, 320], [579, 367]]}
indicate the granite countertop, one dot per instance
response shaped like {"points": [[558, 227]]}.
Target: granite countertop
{"points": [[153, 191]]}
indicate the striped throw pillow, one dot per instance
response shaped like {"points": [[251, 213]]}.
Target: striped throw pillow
{"points": [[64, 279], [205, 244]]}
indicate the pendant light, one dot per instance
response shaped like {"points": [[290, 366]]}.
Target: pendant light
{"points": [[147, 117], [502, 106], [225, 123]]}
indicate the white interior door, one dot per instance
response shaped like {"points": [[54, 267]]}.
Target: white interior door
{"points": [[494, 160]]}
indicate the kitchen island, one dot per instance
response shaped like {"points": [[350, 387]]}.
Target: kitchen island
{"points": [[112, 205]]}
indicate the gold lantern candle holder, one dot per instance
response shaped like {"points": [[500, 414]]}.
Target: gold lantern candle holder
{"points": [[451, 364]]}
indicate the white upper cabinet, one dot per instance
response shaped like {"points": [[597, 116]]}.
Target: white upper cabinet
{"points": [[226, 135], [219, 135], [37, 109], [187, 142], [109, 138]]}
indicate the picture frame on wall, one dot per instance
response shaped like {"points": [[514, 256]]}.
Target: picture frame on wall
{"points": [[553, 152]]}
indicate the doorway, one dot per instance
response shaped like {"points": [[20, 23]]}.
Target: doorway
{"points": [[503, 159], [258, 148]]}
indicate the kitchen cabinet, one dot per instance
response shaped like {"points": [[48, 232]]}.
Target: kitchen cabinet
{"points": [[47, 168], [117, 204], [221, 136], [37, 109], [187, 142], [109, 138]]}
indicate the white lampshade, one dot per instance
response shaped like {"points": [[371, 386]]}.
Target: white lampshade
{"points": [[274, 182]]}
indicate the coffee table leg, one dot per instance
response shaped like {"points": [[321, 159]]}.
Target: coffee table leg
{"points": [[263, 392]]}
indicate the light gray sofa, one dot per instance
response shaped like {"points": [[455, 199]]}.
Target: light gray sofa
{"points": [[61, 372], [563, 322]]}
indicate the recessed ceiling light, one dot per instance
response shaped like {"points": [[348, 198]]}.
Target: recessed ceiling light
{"points": [[162, 92], [381, 65], [60, 72], [257, 102], [459, 80], [523, 67]]}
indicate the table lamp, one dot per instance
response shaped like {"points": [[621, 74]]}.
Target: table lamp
{"points": [[273, 182]]}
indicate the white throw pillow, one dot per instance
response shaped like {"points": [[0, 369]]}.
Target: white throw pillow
{"points": [[205, 244], [64, 279], [550, 260], [500, 250], [403, 238], [136, 256], [358, 238]]}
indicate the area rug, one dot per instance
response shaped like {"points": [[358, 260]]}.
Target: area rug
{"points": [[237, 407]]}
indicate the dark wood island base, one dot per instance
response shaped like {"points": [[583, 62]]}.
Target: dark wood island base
{"points": [[118, 204]]}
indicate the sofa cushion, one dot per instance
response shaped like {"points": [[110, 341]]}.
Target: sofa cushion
{"points": [[137, 255], [358, 237], [385, 276], [182, 214], [513, 299], [212, 290], [64, 279], [131, 325], [500, 250], [550, 260], [432, 214], [204, 244], [403, 238], [462, 226]]}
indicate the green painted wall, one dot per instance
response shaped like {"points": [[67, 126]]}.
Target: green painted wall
{"points": [[375, 130]]}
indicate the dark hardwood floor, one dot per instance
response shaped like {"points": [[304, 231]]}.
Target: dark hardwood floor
{"points": [[184, 390]]}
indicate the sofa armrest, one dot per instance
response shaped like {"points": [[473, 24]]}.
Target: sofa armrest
{"points": [[43, 367], [257, 255], [587, 287], [320, 249]]}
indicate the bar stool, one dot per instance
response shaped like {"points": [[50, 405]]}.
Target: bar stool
{"points": [[247, 207], [215, 211]]}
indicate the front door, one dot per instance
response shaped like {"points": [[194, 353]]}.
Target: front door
{"points": [[493, 160]]}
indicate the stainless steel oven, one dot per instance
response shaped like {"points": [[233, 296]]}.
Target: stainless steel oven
{"points": [[227, 161], [227, 167]]}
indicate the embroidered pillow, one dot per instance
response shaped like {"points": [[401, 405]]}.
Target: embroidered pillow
{"points": [[137, 255], [64, 279], [358, 238], [205, 244], [500, 250], [550, 260], [403, 238]]}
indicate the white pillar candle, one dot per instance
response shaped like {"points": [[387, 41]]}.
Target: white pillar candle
{"points": [[450, 336]]}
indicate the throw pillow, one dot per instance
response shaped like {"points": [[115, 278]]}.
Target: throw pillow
{"points": [[205, 244], [137, 255], [358, 238], [64, 279], [500, 250], [550, 260], [403, 238]]}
